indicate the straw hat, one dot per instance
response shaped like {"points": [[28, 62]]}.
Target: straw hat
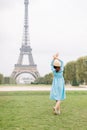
{"points": [[57, 63]]}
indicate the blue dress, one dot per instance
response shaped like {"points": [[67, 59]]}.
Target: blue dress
{"points": [[58, 86]]}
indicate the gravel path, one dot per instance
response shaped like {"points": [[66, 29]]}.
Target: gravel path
{"points": [[36, 88]]}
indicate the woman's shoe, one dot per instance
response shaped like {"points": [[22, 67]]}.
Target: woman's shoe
{"points": [[56, 112]]}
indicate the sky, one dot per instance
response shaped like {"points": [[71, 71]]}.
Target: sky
{"points": [[55, 26]]}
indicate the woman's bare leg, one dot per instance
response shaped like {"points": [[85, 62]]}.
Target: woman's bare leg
{"points": [[57, 106]]}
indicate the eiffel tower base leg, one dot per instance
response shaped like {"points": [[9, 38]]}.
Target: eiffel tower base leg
{"points": [[20, 69]]}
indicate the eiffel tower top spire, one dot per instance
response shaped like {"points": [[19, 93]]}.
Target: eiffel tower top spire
{"points": [[26, 38], [25, 48]]}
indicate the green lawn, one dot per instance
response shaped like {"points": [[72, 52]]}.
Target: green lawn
{"points": [[33, 111]]}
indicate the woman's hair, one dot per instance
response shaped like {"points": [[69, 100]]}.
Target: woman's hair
{"points": [[57, 68]]}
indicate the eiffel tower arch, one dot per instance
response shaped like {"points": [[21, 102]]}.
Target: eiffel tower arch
{"points": [[25, 49]]}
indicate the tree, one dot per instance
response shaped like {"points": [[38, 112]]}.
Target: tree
{"points": [[6, 80], [70, 73], [85, 69], [81, 69], [1, 78], [47, 79]]}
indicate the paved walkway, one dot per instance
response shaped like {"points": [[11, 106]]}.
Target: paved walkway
{"points": [[36, 88]]}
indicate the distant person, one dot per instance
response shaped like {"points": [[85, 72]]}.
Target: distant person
{"points": [[57, 92]]}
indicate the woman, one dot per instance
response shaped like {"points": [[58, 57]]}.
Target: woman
{"points": [[57, 91]]}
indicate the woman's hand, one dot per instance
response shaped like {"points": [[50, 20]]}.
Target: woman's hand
{"points": [[55, 56]]}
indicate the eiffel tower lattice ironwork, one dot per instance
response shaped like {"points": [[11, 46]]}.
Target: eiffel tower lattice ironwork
{"points": [[25, 49]]}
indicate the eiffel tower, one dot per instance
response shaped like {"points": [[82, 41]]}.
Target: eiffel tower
{"points": [[25, 49]]}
